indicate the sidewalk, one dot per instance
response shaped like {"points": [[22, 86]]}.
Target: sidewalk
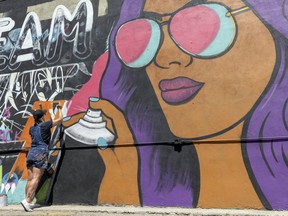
{"points": [[13, 210]]}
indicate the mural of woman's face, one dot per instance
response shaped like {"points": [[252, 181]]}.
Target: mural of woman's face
{"points": [[209, 69]]}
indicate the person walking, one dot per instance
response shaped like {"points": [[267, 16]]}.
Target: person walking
{"points": [[37, 158]]}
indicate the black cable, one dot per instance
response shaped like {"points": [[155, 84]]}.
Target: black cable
{"points": [[176, 143]]}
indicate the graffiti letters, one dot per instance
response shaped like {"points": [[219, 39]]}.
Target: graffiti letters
{"points": [[30, 43]]}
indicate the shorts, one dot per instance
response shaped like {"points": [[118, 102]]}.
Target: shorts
{"points": [[37, 157]]}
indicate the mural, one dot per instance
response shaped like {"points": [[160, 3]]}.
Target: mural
{"points": [[176, 104]]}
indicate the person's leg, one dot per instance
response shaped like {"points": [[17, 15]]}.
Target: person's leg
{"points": [[36, 164], [30, 174], [24, 202], [32, 184]]}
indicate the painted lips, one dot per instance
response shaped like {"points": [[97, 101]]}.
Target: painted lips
{"points": [[179, 90]]}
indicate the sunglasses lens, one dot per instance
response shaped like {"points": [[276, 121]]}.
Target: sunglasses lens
{"points": [[137, 42], [203, 30]]}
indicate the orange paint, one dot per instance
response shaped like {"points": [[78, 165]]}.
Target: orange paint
{"points": [[231, 87], [224, 179]]}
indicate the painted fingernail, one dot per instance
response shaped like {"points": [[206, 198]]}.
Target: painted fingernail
{"points": [[67, 118], [94, 99], [102, 143]]}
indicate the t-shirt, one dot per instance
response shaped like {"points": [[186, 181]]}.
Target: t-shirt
{"points": [[45, 131]]}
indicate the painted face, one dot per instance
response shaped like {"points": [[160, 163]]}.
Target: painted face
{"points": [[208, 63]]}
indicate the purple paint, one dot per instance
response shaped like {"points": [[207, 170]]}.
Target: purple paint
{"points": [[265, 162]]}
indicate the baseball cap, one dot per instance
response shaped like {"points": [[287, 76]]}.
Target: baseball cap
{"points": [[38, 114]]}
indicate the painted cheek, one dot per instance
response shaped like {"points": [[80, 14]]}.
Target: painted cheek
{"points": [[195, 28]]}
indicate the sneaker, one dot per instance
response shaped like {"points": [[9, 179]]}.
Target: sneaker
{"points": [[26, 206], [34, 205]]}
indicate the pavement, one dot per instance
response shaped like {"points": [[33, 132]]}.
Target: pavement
{"points": [[73, 210]]}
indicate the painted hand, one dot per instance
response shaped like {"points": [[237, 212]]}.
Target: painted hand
{"points": [[120, 181]]}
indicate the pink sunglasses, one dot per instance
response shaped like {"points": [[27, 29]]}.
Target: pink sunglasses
{"points": [[202, 31]]}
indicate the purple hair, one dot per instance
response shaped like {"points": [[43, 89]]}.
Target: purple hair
{"points": [[267, 158], [166, 177]]}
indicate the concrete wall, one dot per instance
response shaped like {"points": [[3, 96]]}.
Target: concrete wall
{"points": [[168, 103]]}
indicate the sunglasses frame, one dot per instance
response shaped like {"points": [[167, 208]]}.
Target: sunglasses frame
{"points": [[153, 17]]}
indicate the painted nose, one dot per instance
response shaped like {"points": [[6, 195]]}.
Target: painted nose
{"points": [[170, 55]]}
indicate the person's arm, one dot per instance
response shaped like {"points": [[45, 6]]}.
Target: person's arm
{"points": [[60, 118]]}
